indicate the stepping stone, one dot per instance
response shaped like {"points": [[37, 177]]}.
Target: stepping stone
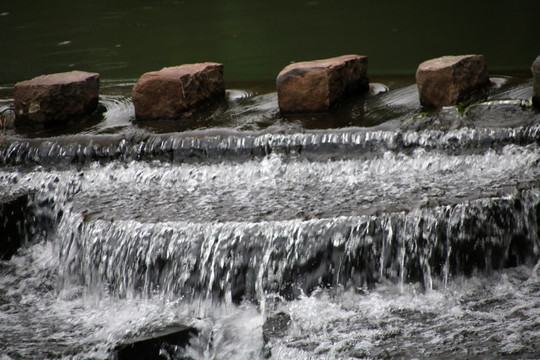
{"points": [[449, 80], [56, 98], [316, 86], [174, 91]]}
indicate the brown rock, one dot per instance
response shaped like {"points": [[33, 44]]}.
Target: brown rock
{"points": [[449, 80], [535, 68], [56, 97], [316, 86], [172, 91]]}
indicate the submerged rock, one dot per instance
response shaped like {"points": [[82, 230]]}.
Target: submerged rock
{"points": [[173, 91], [160, 345], [276, 326], [316, 86], [56, 97], [449, 80], [535, 68]]}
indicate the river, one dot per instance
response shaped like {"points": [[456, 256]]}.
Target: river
{"points": [[379, 230]]}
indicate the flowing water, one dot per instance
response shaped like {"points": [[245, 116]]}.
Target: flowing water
{"points": [[377, 231]]}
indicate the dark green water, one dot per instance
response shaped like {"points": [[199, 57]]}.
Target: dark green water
{"points": [[254, 39]]}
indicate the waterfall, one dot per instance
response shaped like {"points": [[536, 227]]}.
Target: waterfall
{"points": [[218, 145], [276, 243], [239, 261]]}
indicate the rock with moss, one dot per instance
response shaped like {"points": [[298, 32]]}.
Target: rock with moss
{"points": [[449, 80], [316, 86], [56, 98]]}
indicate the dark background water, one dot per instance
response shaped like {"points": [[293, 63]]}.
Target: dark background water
{"points": [[255, 39]]}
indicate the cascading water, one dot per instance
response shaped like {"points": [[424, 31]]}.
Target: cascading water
{"points": [[414, 238]]}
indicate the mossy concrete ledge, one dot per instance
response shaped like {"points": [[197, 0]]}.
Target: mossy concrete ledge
{"points": [[316, 86], [56, 98], [535, 68], [173, 91], [449, 80]]}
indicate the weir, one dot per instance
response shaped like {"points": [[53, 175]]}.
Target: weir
{"points": [[220, 145], [244, 261], [379, 229], [357, 240]]}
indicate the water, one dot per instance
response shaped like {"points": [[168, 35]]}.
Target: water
{"points": [[399, 234], [379, 230], [122, 40]]}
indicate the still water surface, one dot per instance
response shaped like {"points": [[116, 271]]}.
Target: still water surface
{"points": [[256, 39]]}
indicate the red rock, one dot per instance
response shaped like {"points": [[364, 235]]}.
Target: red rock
{"points": [[535, 68], [449, 80], [56, 97], [316, 86], [172, 91]]}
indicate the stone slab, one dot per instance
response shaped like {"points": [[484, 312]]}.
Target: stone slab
{"points": [[56, 97], [449, 80], [316, 86], [171, 92]]}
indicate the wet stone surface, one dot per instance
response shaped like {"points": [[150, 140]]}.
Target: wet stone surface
{"points": [[56, 98], [173, 92], [276, 326], [449, 80], [316, 86]]}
